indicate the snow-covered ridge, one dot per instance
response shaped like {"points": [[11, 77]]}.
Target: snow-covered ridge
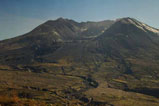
{"points": [[150, 28], [140, 25]]}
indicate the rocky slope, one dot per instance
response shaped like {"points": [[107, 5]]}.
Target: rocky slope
{"points": [[88, 63]]}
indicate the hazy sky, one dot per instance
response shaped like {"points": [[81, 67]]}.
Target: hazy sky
{"points": [[20, 16]]}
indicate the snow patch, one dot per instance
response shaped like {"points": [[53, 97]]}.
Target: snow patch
{"points": [[84, 29], [150, 28], [143, 26]]}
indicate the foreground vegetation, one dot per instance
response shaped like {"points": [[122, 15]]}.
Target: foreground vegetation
{"points": [[14, 100]]}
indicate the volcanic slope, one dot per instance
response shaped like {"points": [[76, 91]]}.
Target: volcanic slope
{"points": [[113, 62]]}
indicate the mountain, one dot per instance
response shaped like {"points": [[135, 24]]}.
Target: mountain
{"points": [[48, 37], [130, 35], [89, 63], [134, 46]]}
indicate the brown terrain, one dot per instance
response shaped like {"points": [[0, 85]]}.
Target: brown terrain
{"points": [[66, 63]]}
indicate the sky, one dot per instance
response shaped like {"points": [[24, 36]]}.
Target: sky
{"points": [[21, 16]]}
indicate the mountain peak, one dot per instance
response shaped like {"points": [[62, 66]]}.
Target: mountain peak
{"points": [[57, 20], [61, 19], [127, 20], [140, 25]]}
